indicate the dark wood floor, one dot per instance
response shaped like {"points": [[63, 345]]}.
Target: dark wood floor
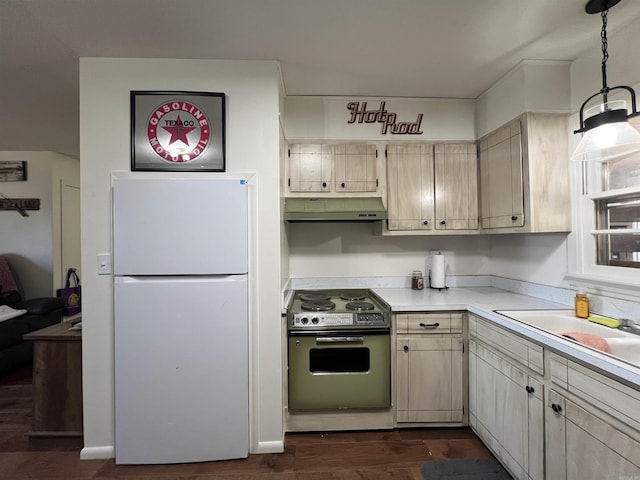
{"points": [[396, 454]]}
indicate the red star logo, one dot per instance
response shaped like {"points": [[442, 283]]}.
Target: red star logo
{"points": [[178, 132]]}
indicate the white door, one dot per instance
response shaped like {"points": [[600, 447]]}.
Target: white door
{"points": [[70, 229], [181, 369], [179, 226]]}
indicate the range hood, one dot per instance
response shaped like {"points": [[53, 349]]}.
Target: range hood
{"points": [[334, 209]]}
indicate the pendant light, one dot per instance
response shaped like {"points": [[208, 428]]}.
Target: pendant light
{"points": [[607, 133]]}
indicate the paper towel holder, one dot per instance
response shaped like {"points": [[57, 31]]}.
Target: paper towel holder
{"points": [[436, 288]]}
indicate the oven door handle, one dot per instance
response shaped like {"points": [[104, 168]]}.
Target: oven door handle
{"points": [[339, 339]]}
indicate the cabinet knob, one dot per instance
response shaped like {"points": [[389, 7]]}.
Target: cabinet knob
{"points": [[324, 184], [443, 222], [406, 348], [514, 217], [530, 389], [556, 408], [343, 184], [426, 222]]}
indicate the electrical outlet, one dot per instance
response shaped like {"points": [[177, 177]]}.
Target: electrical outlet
{"points": [[104, 264]]}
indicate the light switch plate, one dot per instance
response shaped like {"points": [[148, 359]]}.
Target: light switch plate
{"points": [[104, 264]]}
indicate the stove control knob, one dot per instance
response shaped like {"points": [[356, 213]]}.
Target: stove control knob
{"points": [[315, 320], [304, 320]]}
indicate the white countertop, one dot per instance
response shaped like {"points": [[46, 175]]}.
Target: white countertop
{"points": [[484, 301], [460, 298]]}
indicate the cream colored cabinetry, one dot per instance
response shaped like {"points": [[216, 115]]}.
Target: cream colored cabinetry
{"points": [[592, 425], [524, 176], [432, 188], [501, 180], [325, 168], [355, 167], [309, 167], [456, 186], [429, 368], [410, 189], [506, 397]]}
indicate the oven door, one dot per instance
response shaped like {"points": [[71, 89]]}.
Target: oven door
{"points": [[339, 370]]}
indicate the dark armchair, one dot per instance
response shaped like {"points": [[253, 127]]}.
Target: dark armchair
{"points": [[16, 352]]}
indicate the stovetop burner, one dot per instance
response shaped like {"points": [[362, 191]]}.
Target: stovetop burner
{"points": [[352, 296], [360, 306], [318, 305], [314, 297], [342, 310]]}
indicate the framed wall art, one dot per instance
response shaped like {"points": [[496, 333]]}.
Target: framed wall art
{"points": [[13, 171], [178, 131]]}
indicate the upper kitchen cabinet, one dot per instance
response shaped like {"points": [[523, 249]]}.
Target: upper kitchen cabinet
{"points": [[432, 188], [309, 168], [410, 186], [524, 176], [332, 169], [355, 167], [456, 186]]}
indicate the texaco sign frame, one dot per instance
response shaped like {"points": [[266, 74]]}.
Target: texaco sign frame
{"points": [[177, 131]]}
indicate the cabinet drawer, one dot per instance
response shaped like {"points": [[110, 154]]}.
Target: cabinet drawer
{"points": [[528, 354], [429, 323]]}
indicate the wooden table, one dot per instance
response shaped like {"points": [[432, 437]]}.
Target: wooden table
{"points": [[57, 381]]}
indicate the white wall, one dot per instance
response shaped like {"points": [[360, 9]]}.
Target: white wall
{"points": [[326, 118], [29, 241], [252, 90], [531, 86], [354, 250]]}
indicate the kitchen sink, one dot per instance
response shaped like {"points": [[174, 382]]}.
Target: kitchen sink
{"points": [[623, 345]]}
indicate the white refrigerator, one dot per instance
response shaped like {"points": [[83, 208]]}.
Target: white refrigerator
{"points": [[180, 247]]}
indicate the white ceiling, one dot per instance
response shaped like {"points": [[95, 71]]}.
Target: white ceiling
{"points": [[412, 48]]}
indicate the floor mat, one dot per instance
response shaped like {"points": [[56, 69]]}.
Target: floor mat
{"points": [[465, 469]]}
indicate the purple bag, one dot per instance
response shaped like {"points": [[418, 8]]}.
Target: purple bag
{"points": [[71, 294]]}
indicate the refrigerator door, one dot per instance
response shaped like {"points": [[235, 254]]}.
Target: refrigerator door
{"points": [[179, 226], [181, 369]]}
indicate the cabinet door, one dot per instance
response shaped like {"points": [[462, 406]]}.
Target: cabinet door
{"points": [[501, 181], [429, 379], [506, 410], [355, 168], [309, 168], [583, 446], [410, 186], [456, 186]]}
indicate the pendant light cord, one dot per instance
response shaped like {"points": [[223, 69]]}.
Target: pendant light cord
{"points": [[605, 55]]}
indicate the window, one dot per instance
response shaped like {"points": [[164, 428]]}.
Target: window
{"points": [[618, 218], [607, 222]]}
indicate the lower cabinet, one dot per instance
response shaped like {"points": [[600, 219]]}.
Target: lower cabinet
{"points": [[581, 445], [506, 408], [545, 416], [429, 369]]}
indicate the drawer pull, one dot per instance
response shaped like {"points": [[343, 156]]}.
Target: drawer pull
{"points": [[430, 325], [406, 348], [556, 408], [530, 389]]}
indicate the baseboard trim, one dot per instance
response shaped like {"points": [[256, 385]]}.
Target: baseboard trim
{"points": [[270, 447], [97, 453]]}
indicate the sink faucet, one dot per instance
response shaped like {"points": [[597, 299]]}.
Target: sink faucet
{"points": [[630, 326]]}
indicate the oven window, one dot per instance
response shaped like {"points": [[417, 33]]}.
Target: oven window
{"points": [[339, 360]]}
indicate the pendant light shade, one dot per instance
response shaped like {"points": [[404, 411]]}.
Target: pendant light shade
{"points": [[609, 137], [607, 133]]}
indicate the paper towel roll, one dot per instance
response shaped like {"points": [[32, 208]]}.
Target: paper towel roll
{"points": [[437, 271]]}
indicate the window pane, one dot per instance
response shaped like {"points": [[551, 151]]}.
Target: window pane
{"points": [[622, 173], [617, 248]]}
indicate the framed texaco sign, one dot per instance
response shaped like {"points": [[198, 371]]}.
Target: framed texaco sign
{"points": [[177, 131]]}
